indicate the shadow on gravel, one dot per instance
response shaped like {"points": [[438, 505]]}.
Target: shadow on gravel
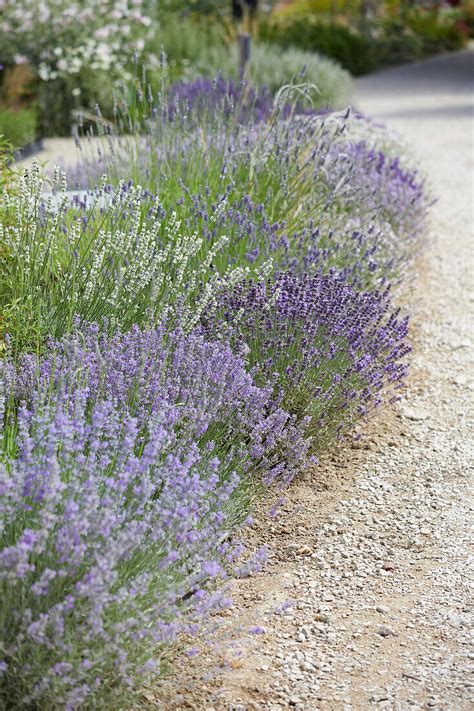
{"points": [[442, 112], [454, 69]]}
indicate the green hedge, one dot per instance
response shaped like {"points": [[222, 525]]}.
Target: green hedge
{"points": [[356, 53], [390, 41], [18, 127]]}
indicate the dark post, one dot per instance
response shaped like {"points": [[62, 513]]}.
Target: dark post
{"points": [[244, 53], [245, 12]]}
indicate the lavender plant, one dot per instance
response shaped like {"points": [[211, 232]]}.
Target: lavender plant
{"points": [[106, 543], [108, 255], [128, 464], [308, 173], [205, 96], [338, 354], [178, 337], [199, 386]]}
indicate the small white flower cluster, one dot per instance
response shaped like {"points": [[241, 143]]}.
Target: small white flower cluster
{"points": [[32, 237], [114, 259], [59, 38]]}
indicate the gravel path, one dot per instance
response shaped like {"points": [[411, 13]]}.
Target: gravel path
{"points": [[365, 603]]}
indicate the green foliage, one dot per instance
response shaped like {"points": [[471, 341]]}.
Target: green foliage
{"points": [[327, 8], [18, 126], [6, 159], [354, 51], [196, 48], [184, 7], [467, 16], [65, 96], [436, 30], [414, 34], [396, 34]]}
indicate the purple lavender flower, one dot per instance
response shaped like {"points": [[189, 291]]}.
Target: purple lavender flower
{"points": [[219, 96], [336, 353], [199, 386], [92, 580], [118, 500], [119, 496]]}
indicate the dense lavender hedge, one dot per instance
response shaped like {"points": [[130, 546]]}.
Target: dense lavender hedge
{"points": [[183, 334], [130, 466]]}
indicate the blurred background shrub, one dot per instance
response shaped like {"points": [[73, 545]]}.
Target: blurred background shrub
{"points": [[65, 57], [354, 51], [18, 112], [18, 127], [65, 48], [199, 46], [272, 66], [364, 36]]}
